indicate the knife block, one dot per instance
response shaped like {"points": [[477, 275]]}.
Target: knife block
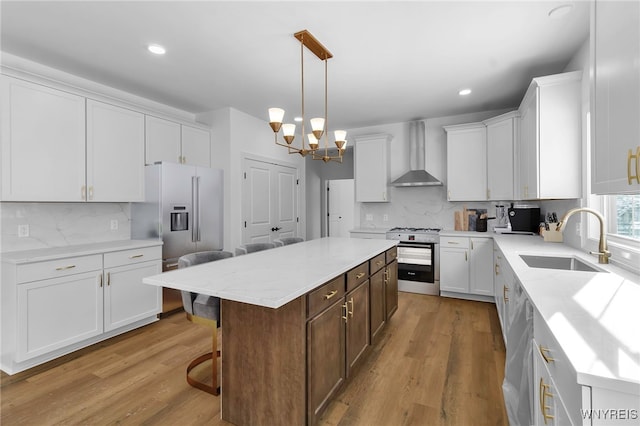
{"points": [[552, 236]]}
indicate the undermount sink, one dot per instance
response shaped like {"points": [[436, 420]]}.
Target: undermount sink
{"points": [[558, 262]]}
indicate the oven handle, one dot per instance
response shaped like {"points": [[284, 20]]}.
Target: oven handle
{"points": [[417, 245]]}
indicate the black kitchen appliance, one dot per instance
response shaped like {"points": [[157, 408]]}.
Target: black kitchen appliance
{"points": [[524, 218]]}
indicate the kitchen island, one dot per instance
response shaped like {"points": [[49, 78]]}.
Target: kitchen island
{"points": [[296, 323]]}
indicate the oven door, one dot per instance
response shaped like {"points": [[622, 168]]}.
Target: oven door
{"points": [[416, 262]]}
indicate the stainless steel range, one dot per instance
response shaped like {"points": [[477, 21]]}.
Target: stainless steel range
{"points": [[418, 259]]}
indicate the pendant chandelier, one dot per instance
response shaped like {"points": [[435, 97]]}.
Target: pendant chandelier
{"points": [[318, 124]]}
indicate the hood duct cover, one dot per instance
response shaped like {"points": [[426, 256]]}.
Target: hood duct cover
{"points": [[417, 176]]}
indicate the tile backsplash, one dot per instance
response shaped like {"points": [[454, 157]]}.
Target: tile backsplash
{"points": [[62, 224]]}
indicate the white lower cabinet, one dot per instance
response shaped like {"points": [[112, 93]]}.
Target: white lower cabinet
{"points": [[53, 307], [126, 298], [58, 312], [466, 267], [548, 407]]}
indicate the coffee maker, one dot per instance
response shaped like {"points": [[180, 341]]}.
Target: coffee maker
{"points": [[502, 217]]}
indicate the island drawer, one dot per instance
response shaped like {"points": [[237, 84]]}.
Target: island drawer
{"points": [[58, 268], [391, 255], [324, 296], [377, 263], [127, 257], [557, 363], [358, 275]]}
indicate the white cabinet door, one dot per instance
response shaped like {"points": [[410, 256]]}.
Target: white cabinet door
{"points": [[162, 140], [551, 138], [115, 153], [454, 270], [467, 162], [615, 106], [43, 143], [58, 312], [126, 298], [196, 146], [481, 266], [501, 139], [371, 168]]}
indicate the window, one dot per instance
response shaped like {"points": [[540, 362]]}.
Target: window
{"points": [[623, 216]]}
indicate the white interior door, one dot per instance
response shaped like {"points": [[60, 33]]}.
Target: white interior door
{"points": [[340, 207], [270, 201]]}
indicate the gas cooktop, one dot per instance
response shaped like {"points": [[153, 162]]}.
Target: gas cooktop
{"points": [[415, 230]]}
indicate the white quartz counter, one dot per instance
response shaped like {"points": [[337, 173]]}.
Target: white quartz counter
{"points": [[472, 234], [272, 278], [594, 316], [44, 254]]}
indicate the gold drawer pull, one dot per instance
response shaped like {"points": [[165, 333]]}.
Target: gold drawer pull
{"points": [[360, 275], [345, 317], [632, 156], [497, 269], [452, 242], [64, 268], [543, 401], [379, 263], [330, 294], [108, 278], [351, 311], [543, 352], [505, 290], [135, 256]]}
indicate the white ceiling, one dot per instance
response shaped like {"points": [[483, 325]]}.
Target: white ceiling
{"points": [[393, 61]]}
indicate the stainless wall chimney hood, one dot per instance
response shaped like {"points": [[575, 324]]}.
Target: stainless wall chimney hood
{"points": [[417, 176]]}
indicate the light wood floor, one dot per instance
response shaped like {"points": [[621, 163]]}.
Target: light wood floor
{"points": [[440, 362]]}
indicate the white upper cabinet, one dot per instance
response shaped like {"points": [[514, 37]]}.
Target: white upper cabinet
{"points": [[466, 162], [115, 153], [43, 143], [371, 168], [196, 146], [502, 133], [162, 140], [550, 153], [170, 141], [615, 97]]}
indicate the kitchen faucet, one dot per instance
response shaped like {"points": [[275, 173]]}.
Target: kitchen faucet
{"points": [[603, 253]]}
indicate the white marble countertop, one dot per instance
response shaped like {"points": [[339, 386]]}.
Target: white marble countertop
{"points": [[274, 277], [594, 316], [370, 230], [472, 234], [44, 254]]}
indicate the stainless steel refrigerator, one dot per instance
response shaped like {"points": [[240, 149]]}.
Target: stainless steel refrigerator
{"points": [[184, 209]]}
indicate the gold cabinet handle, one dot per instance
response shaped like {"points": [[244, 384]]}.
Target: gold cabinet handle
{"points": [[91, 192], [505, 290], [379, 263], [544, 352], [632, 156], [100, 279], [83, 193], [386, 276], [452, 242], [351, 311], [330, 294], [471, 245], [108, 278], [345, 317], [135, 256], [64, 268], [543, 400], [465, 256], [496, 269], [360, 275]]}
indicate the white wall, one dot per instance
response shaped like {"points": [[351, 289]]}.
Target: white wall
{"points": [[235, 135]]}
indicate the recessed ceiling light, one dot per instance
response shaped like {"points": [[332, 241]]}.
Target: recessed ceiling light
{"points": [[157, 49], [464, 92], [560, 11]]}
